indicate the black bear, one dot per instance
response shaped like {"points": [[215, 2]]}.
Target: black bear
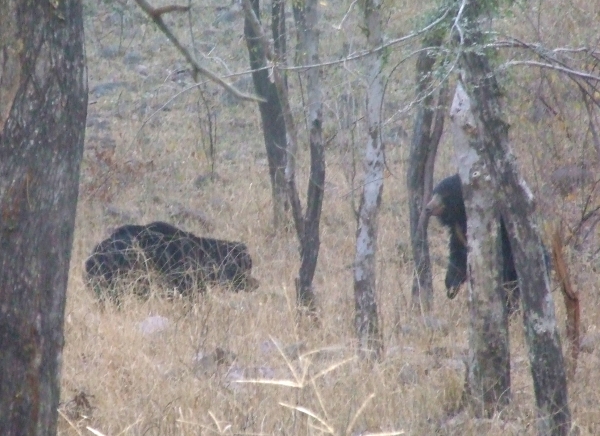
{"points": [[188, 261], [448, 205], [115, 257], [185, 261]]}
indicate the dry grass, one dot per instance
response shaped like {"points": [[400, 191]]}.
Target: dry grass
{"points": [[141, 165]]}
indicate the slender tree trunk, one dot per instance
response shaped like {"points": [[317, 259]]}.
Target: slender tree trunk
{"points": [[366, 321], [571, 298], [309, 240], [43, 106], [488, 372], [516, 205], [429, 125], [307, 226], [274, 130]]}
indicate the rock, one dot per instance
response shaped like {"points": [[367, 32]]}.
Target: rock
{"points": [[142, 70], [154, 324]]}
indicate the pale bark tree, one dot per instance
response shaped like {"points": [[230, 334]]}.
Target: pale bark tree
{"points": [[366, 317], [516, 206], [428, 128], [488, 368], [43, 106]]}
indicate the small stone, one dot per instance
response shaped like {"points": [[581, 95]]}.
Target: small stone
{"points": [[142, 70], [153, 325]]}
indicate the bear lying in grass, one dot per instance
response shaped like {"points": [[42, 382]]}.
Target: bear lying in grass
{"points": [[448, 205], [185, 262]]}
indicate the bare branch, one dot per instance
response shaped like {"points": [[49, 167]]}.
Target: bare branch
{"points": [[377, 49], [170, 8], [569, 71], [339, 26], [156, 15]]}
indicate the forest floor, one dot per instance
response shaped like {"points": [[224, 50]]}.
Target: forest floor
{"points": [[238, 363]]}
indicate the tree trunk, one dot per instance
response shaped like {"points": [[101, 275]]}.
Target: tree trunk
{"points": [[366, 321], [43, 106], [516, 206], [488, 369], [309, 240], [429, 124], [274, 131], [571, 298]]}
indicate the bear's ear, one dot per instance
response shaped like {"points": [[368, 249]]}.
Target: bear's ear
{"points": [[460, 235], [436, 205]]}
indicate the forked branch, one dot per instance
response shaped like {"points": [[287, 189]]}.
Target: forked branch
{"points": [[156, 15]]}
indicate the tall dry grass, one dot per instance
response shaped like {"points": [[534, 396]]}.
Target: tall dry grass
{"points": [[231, 363]]}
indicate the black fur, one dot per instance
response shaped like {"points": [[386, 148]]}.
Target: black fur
{"points": [[448, 205], [116, 255], [185, 261]]}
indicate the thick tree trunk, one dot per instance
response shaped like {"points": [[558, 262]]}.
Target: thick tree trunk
{"points": [[366, 321], [488, 372], [429, 124], [309, 240], [516, 206], [43, 106], [274, 131]]}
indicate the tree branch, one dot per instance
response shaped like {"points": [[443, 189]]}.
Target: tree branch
{"points": [[569, 71], [156, 15]]}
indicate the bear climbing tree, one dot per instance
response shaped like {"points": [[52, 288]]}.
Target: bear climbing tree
{"points": [[448, 205]]}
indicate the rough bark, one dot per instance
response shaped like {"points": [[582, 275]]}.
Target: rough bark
{"points": [[271, 113], [309, 239], [43, 106], [488, 368], [366, 320], [516, 205], [571, 297], [428, 127]]}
